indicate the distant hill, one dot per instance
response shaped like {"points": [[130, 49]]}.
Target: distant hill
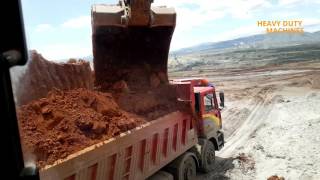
{"points": [[264, 41], [261, 41]]}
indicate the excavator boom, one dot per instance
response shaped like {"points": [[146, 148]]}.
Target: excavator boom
{"points": [[131, 42]]}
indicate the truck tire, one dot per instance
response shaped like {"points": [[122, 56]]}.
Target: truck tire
{"points": [[184, 167], [207, 157], [161, 175]]}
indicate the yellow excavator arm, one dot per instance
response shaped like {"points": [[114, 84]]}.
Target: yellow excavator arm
{"points": [[137, 12]]}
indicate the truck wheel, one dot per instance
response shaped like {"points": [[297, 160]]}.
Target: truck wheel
{"points": [[184, 167], [207, 156], [161, 175]]}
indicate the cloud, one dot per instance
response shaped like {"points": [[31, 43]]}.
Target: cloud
{"points": [[241, 9], [311, 21], [197, 14], [192, 13], [43, 28], [292, 4], [64, 47], [311, 24], [181, 41], [288, 2], [238, 32], [198, 21], [187, 19], [61, 51], [284, 15], [78, 22]]}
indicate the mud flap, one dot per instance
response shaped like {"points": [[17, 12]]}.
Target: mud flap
{"points": [[220, 140]]}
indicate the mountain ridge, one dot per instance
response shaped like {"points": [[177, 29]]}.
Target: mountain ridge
{"points": [[261, 41]]}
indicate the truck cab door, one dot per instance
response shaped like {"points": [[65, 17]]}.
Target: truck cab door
{"points": [[211, 115]]}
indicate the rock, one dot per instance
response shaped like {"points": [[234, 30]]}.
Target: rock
{"points": [[120, 86], [99, 128], [275, 177], [45, 110], [84, 125]]}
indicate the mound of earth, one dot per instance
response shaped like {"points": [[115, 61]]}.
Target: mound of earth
{"points": [[68, 121], [275, 177], [41, 76]]}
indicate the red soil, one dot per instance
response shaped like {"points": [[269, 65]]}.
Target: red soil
{"points": [[68, 121], [42, 76]]}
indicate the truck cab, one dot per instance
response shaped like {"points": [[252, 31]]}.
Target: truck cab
{"points": [[208, 119], [205, 107]]}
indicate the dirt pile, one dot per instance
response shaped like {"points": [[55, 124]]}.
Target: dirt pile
{"points": [[68, 121], [42, 76], [275, 177]]}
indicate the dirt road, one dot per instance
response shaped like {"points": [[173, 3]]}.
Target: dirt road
{"points": [[271, 122]]}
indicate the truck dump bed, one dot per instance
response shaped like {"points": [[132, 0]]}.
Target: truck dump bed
{"points": [[136, 154]]}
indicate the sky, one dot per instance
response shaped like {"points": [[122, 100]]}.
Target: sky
{"points": [[61, 29]]}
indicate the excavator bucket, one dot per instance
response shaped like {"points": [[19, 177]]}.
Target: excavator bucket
{"points": [[131, 43]]}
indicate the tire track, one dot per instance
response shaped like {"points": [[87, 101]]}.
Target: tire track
{"points": [[264, 104]]}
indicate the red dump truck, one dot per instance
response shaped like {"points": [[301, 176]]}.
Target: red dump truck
{"points": [[180, 142], [131, 40]]}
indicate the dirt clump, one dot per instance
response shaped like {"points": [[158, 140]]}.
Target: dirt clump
{"points": [[68, 121], [275, 177], [246, 162]]}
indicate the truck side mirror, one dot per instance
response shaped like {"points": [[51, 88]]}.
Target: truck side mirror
{"points": [[221, 96]]}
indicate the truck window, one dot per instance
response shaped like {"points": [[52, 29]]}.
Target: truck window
{"points": [[208, 102], [197, 101]]}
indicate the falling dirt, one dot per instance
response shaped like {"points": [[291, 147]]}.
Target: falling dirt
{"points": [[67, 121], [150, 104], [275, 177]]}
